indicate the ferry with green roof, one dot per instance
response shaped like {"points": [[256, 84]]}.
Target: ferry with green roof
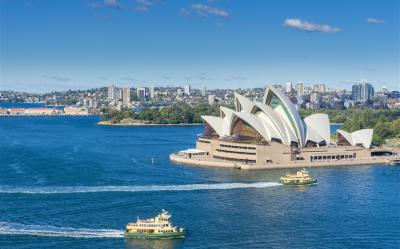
{"points": [[302, 177], [159, 227]]}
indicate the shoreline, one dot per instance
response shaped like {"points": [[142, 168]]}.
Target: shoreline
{"points": [[107, 123], [50, 115], [203, 162]]}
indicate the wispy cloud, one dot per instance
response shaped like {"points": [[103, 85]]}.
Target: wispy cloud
{"points": [[370, 69], [107, 3], [56, 78], [309, 26], [207, 10], [374, 21], [144, 5]]}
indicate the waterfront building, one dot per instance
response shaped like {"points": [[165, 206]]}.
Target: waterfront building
{"points": [[126, 95], [76, 111], [272, 134], [113, 93]]}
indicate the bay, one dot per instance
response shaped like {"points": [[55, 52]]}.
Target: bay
{"points": [[67, 183]]}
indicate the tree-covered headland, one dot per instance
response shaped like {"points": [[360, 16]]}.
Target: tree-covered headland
{"points": [[386, 123], [180, 113]]}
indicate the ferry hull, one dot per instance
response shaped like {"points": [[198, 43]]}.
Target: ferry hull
{"points": [[299, 183], [134, 235]]}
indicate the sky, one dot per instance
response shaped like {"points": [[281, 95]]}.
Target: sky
{"points": [[48, 45]]}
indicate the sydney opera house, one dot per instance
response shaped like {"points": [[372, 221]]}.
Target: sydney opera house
{"points": [[272, 134]]}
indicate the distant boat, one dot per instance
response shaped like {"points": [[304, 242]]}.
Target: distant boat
{"points": [[159, 227], [393, 161]]}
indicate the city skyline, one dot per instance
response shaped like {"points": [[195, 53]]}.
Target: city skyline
{"points": [[63, 45]]}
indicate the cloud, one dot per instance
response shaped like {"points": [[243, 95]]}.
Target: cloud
{"points": [[144, 5], [374, 21], [56, 78], [370, 69], [309, 27], [107, 3], [206, 10]]}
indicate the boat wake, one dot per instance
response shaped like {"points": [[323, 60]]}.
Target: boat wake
{"points": [[7, 228], [149, 188]]}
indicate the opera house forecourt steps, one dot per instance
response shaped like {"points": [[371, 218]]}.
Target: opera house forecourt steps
{"points": [[271, 134]]}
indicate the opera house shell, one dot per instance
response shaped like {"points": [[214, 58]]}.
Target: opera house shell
{"points": [[272, 132]]}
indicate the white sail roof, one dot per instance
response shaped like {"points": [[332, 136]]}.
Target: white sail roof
{"points": [[226, 115], [286, 133], [243, 104], [289, 110], [215, 123], [361, 137], [254, 122], [318, 125]]}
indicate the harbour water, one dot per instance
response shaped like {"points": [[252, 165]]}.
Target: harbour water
{"points": [[67, 183]]}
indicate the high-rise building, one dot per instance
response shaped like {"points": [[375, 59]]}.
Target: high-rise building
{"points": [[319, 88], [300, 88], [362, 92], [211, 99], [120, 94], [152, 92], [289, 87], [141, 93], [126, 95], [187, 89], [112, 93], [203, 91]]}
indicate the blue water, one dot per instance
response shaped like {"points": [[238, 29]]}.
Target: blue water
{"points": [[67, 183]]}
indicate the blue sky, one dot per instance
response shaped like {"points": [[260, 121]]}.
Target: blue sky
{"points": [[77, 44]]}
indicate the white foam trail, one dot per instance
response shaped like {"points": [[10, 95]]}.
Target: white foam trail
{"points": [[50, 231], [150, 188]]}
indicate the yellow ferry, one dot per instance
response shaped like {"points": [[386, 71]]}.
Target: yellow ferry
{"points": [[159, 227], [302, 177]]}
